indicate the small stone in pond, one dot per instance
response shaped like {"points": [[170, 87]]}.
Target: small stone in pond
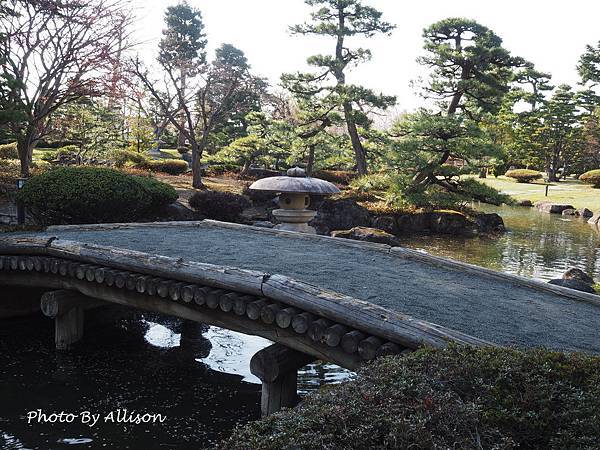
{"points": [[570, 212], [577, 274]]}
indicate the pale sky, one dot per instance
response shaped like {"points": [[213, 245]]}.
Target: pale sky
{"points": [[550, 33]]}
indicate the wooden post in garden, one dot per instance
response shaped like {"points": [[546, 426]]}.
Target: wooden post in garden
{"points": [[277, 367], [67, 310]]}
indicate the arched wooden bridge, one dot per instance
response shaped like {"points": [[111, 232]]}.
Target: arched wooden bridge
{"points": [[305, 321]]}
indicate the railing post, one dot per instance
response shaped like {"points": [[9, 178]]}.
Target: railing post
{"points": [[277, 368]]}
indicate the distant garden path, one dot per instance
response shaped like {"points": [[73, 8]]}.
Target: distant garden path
{"points": [[500, 310]]}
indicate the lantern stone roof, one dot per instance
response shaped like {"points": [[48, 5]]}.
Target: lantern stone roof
{"points": [[296, 182]]}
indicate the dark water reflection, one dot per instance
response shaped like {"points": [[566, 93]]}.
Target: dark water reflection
{"points": [[136, 362], [541, 246], [199, 377]]}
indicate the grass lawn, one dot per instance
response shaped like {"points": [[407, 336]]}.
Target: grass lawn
{"points": [[170, 153], [571, 192]]}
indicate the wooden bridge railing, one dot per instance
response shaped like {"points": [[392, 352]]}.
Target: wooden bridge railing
{"points": [[319, 323]]}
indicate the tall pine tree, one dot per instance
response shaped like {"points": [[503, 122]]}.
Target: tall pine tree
{"points": [[182, 51], [340, 20]]}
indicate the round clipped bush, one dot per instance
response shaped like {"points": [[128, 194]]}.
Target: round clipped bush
{"points": [[9, 151], [523, 175], [10, 169], [122, 158], [169, 166], [224, 206], [457, 398], [76, 195], [592, 177]]}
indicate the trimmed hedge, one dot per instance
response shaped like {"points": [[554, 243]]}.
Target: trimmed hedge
{"points": [[523, 175], [224, 206], [76, 195], [123, 158], [170, 166], [455, 398], [592, 177], [9, 151], [127, 158]]}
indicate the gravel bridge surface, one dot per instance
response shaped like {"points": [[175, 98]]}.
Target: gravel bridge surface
{"points": [[499, 311]]}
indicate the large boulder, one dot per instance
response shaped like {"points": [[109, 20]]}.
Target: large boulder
{"points": [[577, 285], [552, 208], [413, 223], [178, 212], [339, 215], [451, 222], [389, 224], [255, 214], [577, 274], [368, 235], [489, 223]]}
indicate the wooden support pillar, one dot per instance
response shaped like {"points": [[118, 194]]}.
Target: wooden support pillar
{"points": [[277, 367], [193, 343], [67, 310]]}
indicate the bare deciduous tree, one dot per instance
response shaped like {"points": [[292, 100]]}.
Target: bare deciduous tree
{"points": [[55, 52], [220, 90]]}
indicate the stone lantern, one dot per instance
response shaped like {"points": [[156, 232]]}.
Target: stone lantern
{"points": [[294, 192]]}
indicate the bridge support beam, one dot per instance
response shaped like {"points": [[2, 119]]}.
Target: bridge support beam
{"points": [[67, 310], [277, 368]]}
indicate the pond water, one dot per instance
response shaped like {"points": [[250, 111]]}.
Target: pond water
{"points": [[137, 363], [140, 363], [536, 245]]}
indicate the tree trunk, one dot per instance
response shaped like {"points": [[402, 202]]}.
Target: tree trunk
{"points": [[25, 149], [311, 160], [196, 167], [246, 168], [197, 150], [359, 151], [181, 118], [553, 167]]}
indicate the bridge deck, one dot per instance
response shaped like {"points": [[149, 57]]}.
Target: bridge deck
{"points": [[498, 310]]}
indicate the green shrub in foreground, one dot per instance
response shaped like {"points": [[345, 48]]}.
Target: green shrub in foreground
{"points": [[9, 151], [74, 195], [459, 398], [523, 175], [592, 177]]}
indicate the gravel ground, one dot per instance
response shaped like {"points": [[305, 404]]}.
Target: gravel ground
{"points": [[494, 310]]}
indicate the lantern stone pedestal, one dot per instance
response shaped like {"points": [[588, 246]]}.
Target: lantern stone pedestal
{"points": [[295, 220]]}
